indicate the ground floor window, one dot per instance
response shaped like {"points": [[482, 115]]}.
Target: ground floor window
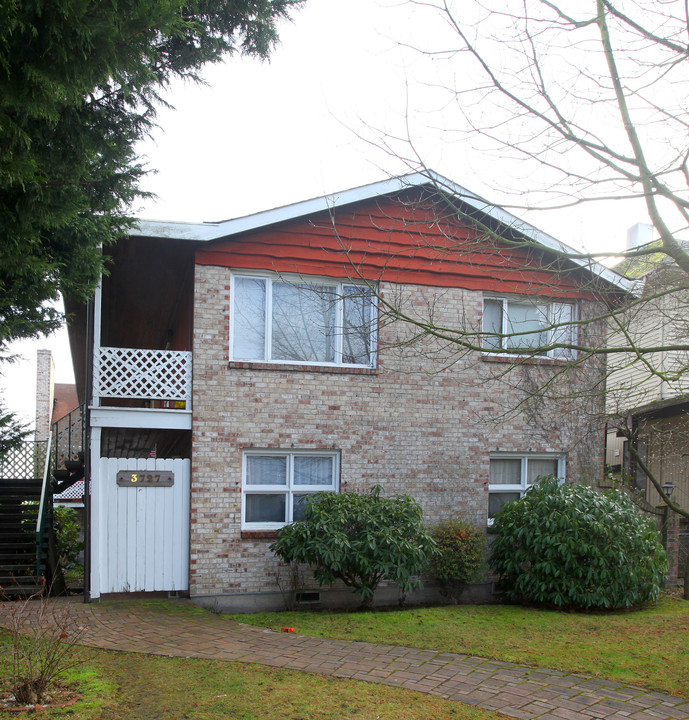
{"points": [[511, 475], [276, 485]]}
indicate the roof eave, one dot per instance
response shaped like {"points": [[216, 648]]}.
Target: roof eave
{"points": [[207, 232]]}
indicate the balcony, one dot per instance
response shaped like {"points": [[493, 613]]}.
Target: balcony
{"points": [[135, 380]]}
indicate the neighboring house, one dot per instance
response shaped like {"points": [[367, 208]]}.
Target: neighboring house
{"points": [[237, 367], [58, 412], [648, 395], [53, 400]]}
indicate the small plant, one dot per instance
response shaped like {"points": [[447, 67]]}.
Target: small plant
{"points": [[359, 539], [43, 646], [570, 546], [67, 536], [460, 559], [67, 531], [289, 579]]}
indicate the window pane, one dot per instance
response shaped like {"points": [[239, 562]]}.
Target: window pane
{"points": [[249, 323], [310, 470], [492, 323], [496, 501], [303, 326], [506, 472], [357, 319], [536, 468], [265, 508], [266, 470], [526, 318], [563, 313], [299, 503]]}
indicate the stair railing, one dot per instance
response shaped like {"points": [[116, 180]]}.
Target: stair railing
{"points": [[43, 506], [68, 440]]}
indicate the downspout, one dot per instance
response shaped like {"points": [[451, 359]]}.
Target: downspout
{"points": [[86, 431]]}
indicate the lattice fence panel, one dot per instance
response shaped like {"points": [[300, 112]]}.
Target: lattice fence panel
{"points": [[75, 492], [24, 463], [143, 374]]}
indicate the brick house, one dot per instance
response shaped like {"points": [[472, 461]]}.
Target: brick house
{"points": [[235, 367]]}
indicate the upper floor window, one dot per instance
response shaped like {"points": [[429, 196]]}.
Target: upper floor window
{"points": [[535, 327], [300, 321]]}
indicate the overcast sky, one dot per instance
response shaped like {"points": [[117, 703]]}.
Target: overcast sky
{"points": [[305, 124]]}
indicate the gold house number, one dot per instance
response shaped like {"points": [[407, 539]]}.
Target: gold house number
{"points": [[143, 478]]}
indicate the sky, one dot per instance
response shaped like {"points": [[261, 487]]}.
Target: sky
{"points": [[309, 122]]}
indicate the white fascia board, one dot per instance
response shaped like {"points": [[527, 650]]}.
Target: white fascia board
{"points": [[175, 230], [206, 232], [214, 231], [144, 418]]}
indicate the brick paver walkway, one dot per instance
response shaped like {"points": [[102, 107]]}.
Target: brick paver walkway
{"points": [[181, 629]]}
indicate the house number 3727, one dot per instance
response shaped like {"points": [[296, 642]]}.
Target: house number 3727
{"points": [[144, 478]]}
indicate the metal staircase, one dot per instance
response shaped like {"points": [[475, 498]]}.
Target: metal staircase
{"points": [[23, 553], [28, 483], [65, 478]]}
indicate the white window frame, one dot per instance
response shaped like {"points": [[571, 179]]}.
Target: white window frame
{"points": [[524, 484], [290, 488], [549, 310], [338, 287]]}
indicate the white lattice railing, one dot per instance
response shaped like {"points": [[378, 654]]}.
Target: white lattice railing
{"points": [[142, 375]]}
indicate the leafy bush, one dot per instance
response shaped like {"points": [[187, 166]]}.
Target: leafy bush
{"points": [[68, 532], [460, 558], [569, 546], [360, 539], [67, 536]]}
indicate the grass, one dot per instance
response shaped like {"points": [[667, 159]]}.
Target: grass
{"points": [[74, 576], [129, 686], [648, 647]]}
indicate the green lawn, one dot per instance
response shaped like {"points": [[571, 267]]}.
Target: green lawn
{"points": [[129, 686], [648, 647]]}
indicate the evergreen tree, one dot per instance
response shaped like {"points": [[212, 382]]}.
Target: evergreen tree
{"points": [[13, 432], [79, 84]]}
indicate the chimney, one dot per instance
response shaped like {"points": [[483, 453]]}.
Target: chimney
{"points": [[639, 234], [45, 369]]}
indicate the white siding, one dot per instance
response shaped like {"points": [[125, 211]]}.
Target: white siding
{"points": [[668, 459], [631, 381], [143, 532]]}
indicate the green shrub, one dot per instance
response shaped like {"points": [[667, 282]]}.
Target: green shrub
{"points": [[67, 536], [360, 539], [570, 546], [460, 558]]}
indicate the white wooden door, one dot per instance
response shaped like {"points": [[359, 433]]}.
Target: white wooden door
{"points": [[142, 541]]}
